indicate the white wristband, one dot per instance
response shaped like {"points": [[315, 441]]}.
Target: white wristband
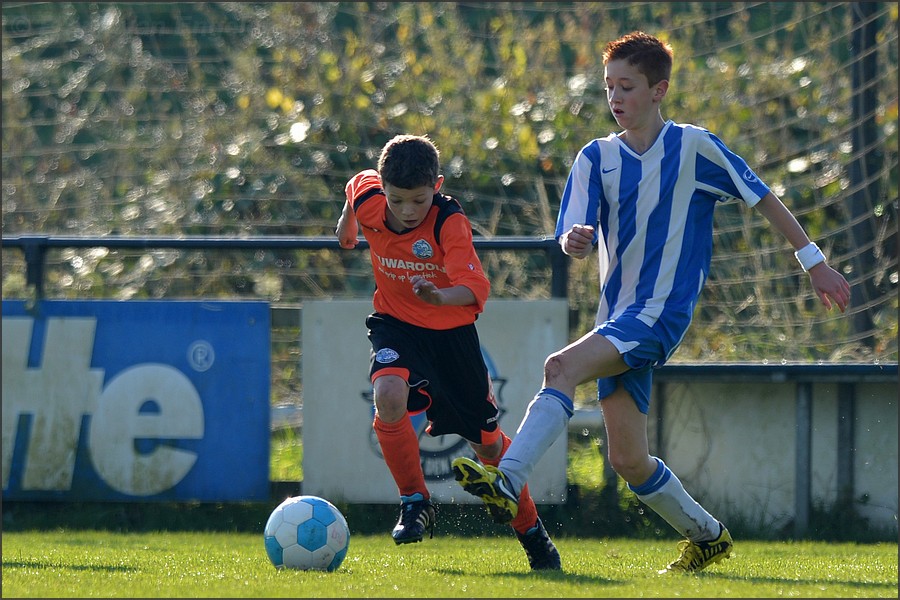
{"points": [[809, 256]]}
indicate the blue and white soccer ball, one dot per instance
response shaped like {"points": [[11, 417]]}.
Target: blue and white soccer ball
{"points": [[307, 533]]}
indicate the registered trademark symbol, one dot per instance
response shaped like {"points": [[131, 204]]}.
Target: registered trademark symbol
{"points": [[201, 355]]}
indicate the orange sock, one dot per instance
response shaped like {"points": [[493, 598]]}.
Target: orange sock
{"points": [[527, 516], [400, 448]]}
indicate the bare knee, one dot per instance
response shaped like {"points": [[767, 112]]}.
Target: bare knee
{"points": [[391, 395], [554, 367], [632, 468]]}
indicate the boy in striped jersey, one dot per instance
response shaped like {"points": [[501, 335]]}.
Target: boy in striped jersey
{"points": [[426, 355], [645, 196]]}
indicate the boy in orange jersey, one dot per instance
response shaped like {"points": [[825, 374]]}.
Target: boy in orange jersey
{"points": [[426, 354]]}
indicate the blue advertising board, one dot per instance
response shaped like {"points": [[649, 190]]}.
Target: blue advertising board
{"points": [[136, 400]]}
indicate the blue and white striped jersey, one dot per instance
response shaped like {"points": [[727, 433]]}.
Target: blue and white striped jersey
{"points": [[653, 214]]}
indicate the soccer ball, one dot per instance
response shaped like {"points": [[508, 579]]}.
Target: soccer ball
{"points": [[307, 533]]}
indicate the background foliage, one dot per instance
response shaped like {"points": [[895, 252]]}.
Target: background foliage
{"points": [[235, 119]]}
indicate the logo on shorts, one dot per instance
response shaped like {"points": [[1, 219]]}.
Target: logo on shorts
{"points": [[386, 355], [422, 249]]}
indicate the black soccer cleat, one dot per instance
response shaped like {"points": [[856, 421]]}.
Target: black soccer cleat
{"points": [[416, 517], [539, 548]]}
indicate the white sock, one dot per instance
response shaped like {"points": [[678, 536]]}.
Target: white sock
{"points": [[665, 494], [545, 419]]}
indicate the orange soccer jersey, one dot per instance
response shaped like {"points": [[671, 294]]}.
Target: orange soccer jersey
{"points": [[439, 249]]}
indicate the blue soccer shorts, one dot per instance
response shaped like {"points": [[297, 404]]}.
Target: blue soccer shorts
{"points": [[641, 350]]}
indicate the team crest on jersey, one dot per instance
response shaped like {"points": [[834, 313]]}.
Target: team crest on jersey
{"points": [[750, 176], [386, 355], [422, 249]]}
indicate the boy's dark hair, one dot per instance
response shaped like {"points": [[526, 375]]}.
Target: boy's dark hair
{"points": [[650, 55], [409, 161]]}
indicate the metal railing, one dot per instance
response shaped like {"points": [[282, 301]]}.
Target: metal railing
{"points": [[35, 248]]}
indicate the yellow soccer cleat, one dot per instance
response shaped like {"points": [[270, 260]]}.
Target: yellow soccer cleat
{"points": [[490, 484], [696, 556]]}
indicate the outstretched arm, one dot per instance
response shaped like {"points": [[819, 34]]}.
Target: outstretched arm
{"points": [[829, 285]]}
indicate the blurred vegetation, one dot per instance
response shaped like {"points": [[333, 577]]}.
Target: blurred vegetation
{"points": [[236, 119]]}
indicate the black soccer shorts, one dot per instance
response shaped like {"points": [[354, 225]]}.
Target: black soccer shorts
{"points": [[446, 373]]}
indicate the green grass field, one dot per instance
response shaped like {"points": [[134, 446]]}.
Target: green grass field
{"points": [[90, 563], [177, 550]]}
